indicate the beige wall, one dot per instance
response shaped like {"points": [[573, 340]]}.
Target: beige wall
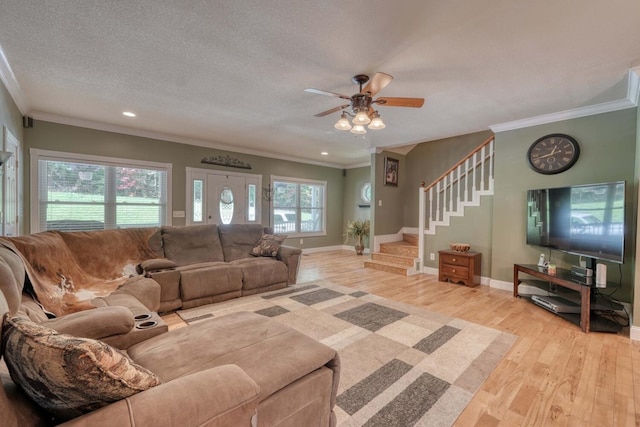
{"points": [[58, 137]]}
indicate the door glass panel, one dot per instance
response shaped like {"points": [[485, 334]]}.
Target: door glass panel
{"points": [[226, 205], [198, 211], [251, 199]]}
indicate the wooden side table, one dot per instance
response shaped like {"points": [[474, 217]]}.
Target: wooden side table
{"points": [[459, 267]]}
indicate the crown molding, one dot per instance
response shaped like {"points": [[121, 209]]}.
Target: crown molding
{"points": [[91, 124], [605, 107], [10, 82], [357, 165], [633, 92], [633, 89]]}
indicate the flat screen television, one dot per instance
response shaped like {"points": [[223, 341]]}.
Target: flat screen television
{"points": [[585, 220]]}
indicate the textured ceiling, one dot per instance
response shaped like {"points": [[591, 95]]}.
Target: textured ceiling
{"points": [[232, 74]]}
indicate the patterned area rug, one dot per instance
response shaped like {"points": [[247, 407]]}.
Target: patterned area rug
{"points": [[401, 365]]}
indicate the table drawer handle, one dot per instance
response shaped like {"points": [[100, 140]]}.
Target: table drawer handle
{"points": [[453, 270], [453, 260]]}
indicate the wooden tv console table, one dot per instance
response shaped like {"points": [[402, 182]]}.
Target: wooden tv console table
{"points": [[566, 279]]}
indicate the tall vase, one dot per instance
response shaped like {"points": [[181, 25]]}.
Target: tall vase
{"points": [[359, 246]]}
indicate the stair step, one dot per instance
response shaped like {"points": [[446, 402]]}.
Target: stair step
{"points": [[399, 248], [410, 238], [394, 259], [387, 266]]}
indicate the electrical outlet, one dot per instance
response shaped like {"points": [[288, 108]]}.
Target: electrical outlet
{"points": [[432, 257], [379, 202], [301, 241]]}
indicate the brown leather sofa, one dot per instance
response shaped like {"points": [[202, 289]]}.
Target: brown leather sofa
{"points": [[237, 370]]}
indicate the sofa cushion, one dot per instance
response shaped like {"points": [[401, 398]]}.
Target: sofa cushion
{"points": [[271, 353], [68, 376], [209, 281], [268, 245], [192, 244], [261, 272], [239, 239]]}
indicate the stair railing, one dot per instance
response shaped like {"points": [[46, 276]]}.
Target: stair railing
{"points": [[461, 185]]}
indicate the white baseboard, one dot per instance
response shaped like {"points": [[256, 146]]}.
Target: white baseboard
{"points": [[385, 238], [430, 270], [634, 333], [500, 284], [331, 248], [410, 230]]}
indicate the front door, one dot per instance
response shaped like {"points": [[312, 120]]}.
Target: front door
{"points": [[222, 198], [226, 199]]}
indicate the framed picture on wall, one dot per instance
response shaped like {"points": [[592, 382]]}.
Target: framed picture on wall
{"points": [[391, 171]]}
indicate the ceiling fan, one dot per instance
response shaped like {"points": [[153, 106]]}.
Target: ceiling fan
{"points": [[362, 103]]}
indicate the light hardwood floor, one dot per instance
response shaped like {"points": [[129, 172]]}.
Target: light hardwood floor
{"points": [[554, 375]]}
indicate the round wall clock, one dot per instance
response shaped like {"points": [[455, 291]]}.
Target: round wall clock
{"points": [[553, 153]]}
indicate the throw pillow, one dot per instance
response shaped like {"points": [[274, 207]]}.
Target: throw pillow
{"points": [[268, 245], [69, 376]]}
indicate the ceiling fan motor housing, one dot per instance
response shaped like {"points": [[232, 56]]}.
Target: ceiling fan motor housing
{"points": [[360, 102]]}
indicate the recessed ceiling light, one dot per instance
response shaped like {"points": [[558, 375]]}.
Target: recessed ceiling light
{"points": [[129, 114], [324, 153]]}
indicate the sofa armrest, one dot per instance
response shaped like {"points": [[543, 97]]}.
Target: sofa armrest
{"points": [[96, 323], [155, 264], [291, 257], [147, 291], [220, 396]]}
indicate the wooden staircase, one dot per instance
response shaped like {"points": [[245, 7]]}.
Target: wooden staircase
{"points": [[396, 257]]}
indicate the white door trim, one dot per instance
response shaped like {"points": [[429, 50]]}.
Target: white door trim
{"points": [[201, 173]]}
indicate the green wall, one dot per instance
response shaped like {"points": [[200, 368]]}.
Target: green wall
{"points": [[65, 138], [428, 160], [389, 216], [11, 118], [608, 153], [354, 180], [10, 115]]}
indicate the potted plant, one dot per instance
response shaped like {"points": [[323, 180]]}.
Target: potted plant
{"points": [[358, 229]]}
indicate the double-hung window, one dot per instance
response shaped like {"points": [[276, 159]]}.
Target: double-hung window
{"points": [[81, 192], [299, 206]]}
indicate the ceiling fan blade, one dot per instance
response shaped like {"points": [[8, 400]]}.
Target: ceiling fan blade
{"points": [[400, 102], [377, 83], [326, 93], [333, 110]]}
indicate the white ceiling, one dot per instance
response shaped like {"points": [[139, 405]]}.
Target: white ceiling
{"points": [[232, 74]]}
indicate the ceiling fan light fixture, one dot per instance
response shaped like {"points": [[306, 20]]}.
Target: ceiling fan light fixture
{"points": [[358, 129], [361, 118], [376, 122], [343, 123]]}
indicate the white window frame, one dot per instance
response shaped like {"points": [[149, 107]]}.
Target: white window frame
{"points": [[37, 154], [299, 181]]}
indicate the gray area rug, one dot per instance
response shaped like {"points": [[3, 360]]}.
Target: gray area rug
{"points": [[401, 365]]}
